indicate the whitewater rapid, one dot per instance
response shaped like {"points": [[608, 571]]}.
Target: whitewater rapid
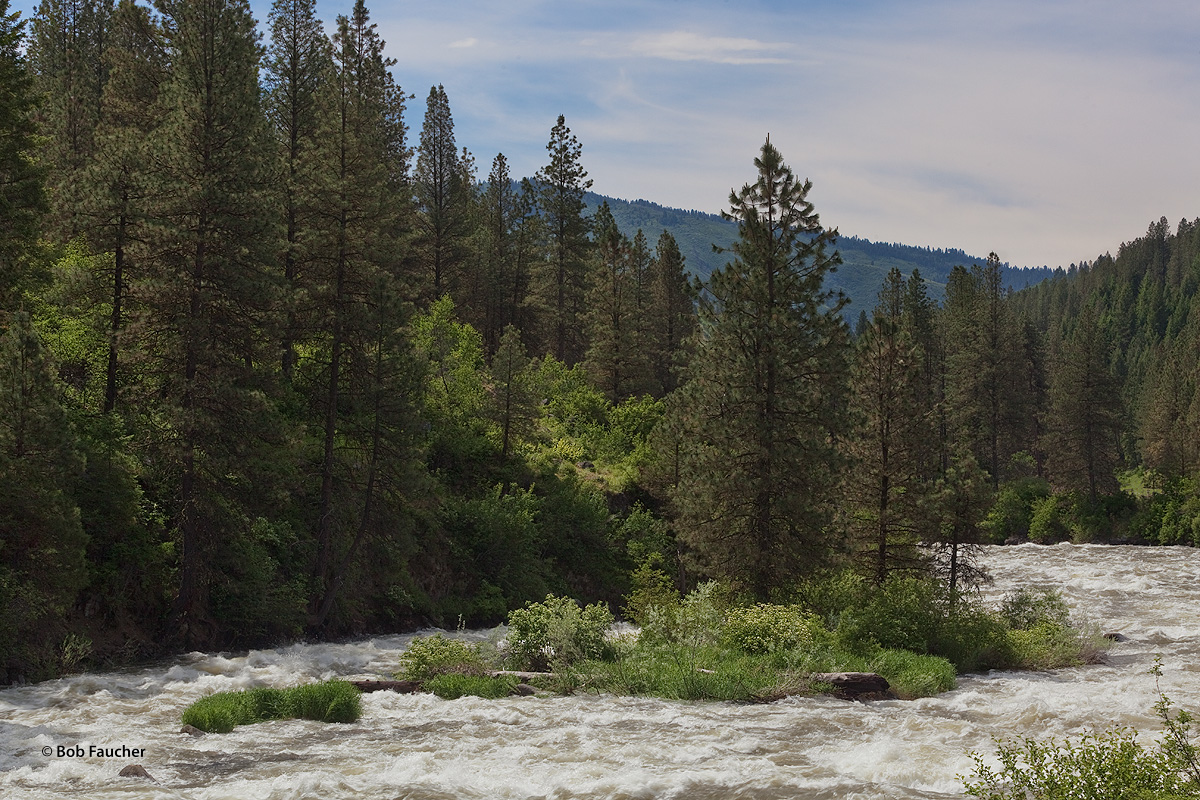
{"points": [[418, 747]]}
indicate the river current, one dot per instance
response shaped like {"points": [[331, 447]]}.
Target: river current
{"points": [[418, 747]]}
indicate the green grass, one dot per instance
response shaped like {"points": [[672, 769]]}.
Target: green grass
{"points": [[330, 701], [715, 673], [451, 686]]}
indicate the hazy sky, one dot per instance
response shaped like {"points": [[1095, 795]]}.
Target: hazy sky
{"points": [[1049, 131]]}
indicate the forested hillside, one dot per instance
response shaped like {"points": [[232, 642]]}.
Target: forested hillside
{"points": [[276, 360], [865, 264]]}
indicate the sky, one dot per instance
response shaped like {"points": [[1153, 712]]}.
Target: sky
{"points": [[1048, 131]]}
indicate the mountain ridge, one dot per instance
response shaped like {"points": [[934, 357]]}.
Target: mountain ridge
{"points": [[865, 264]]}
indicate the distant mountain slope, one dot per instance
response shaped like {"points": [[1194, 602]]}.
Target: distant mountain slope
{"points": [[865, 263]]}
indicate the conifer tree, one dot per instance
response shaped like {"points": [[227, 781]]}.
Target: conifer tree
{"points": [[610, 331], [503, 286], [920, 322], [21, 195], [206, 290], [765, 402], [1085, 407], [562, 279], [298, 63], [985, 388], [117, 185], [42, 543], [515, 401], [443, 191], [354, 279], [67, 54], [887, 502], [672, 314]]}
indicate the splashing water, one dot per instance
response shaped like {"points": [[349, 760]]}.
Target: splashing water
{"points": [[418, 747]]}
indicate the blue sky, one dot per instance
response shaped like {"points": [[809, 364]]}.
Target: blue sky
{"points": [[1049, 131]]}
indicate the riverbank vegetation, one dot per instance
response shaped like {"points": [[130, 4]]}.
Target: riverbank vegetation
{"points": [[1109, 765], [274, 364], [328, 701], [710, 645]]}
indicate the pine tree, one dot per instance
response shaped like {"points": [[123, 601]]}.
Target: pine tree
{"points": [[562, 282], [42, 543], [514, 399], [765, 402], [1085, 413], [887, 500], [297, 65], [443, 190], [610, 323], [985, 387], [206, 289], [67, 54], [351, 171], [21, 196], [672, 314], [504, 287], [116, 186]]}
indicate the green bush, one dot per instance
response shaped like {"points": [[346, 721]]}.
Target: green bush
{"points": [[1024, 608], [429, 656], [695, 621], [556, 631], [1108, 766], [1047, 524], [767, 628], [923, 616], [451, 686], [329, 701], [1012, 513]]}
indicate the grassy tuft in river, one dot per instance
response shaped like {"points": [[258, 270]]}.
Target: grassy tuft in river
{"points": [[329, 701]]}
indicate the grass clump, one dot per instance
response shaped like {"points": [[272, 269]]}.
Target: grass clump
{"points": [[451, 686], [329, 701]]}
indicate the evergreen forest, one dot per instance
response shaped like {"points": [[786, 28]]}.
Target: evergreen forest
{"points": [[280, 359]]}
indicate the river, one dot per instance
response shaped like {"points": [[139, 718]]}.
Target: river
{"points": [[418, 747]]}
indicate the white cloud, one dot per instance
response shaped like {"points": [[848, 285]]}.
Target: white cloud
{"points": [[689, 46], [470, 41]]}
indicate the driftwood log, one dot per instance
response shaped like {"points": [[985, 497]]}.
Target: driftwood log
{"points": [[855, 685]]}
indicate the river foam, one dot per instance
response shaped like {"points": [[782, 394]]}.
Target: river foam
{"points": [[419, 747]]}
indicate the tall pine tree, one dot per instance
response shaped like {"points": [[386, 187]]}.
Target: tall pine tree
{"points": [[765, 401], [562, 279], [207, 289]]}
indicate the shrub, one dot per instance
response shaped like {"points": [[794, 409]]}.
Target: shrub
{"points": [[695, 621], [766, 628], [1108, 766], [651, 588], [430, 656], [1046, 524], [329, 701], [1024, 608], [451, 686], [924, 617], [556, 630], [1012, 512]]}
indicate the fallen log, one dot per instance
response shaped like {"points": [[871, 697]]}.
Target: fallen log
{"points": [[854, 685]]}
